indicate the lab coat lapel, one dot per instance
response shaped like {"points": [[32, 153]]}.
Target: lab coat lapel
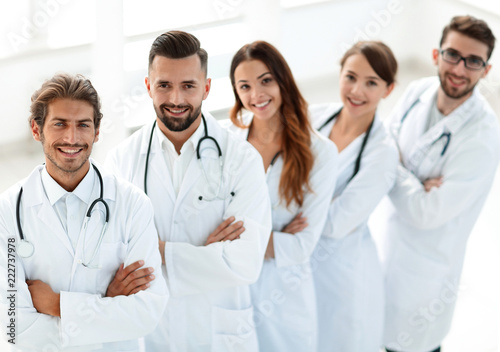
{"points": [[428, 148], [412, 135], [35, 197], [193, 174], [195, 171], [89, 237]]}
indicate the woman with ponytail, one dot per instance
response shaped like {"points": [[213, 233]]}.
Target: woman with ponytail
{"points": [[349, 283]]}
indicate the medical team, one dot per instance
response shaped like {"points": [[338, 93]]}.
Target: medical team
{"points": [[257, 224]]}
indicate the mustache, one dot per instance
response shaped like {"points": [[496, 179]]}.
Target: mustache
{"points": [[458, 77], [66, 145]]}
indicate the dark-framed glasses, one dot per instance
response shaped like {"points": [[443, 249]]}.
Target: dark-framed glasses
{"points": [[471, 62]]}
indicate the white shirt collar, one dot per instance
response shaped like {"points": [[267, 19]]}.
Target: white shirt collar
{"points": [[55, 192], [167, 145]]}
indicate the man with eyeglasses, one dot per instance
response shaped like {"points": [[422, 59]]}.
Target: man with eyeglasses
{"points": [[449, 143]]}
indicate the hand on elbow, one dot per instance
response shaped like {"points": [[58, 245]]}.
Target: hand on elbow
{"points": [[433, 182], [45, 300], [130, 280], [228, 230], [298, 224]]}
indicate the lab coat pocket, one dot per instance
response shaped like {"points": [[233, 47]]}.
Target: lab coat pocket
{"points": [[111, 255], [233, 330]]}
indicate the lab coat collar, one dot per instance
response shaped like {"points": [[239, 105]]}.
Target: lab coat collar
{"points": [[34, 197], [191, 142], [430, 93], [34, 193], [247, 121], [156, 146], [54, 191], [331, 109], [456, 119], [194, 171]]}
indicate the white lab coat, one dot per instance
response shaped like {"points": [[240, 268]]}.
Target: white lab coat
{"points": [[427, 232], [348, 278], [89, 321], [284, 296], [210, 307]]}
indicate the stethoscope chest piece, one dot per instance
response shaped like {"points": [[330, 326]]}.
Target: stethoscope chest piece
{"points": [[25, 249]]}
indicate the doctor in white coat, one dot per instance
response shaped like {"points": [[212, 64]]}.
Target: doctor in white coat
{"points": [[449, 142], [212, 208], [348, 277], [301, 170], [59, 290]]}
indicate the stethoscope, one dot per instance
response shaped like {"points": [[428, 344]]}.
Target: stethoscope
{"points": [[206, 137], [25, 249], [446, 135], [357, 165]]}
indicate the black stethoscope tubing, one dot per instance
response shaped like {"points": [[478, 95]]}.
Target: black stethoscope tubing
{"points": [[357, 165], [198, 146], [446, 135], [98, 200]]}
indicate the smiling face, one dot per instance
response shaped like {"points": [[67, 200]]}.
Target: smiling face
{"points": [[177, 87], [457, 81], [258, 90], [67, 137], [361, 88]]}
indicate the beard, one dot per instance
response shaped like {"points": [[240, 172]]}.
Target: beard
{"points": [[175, 124], [452, 92], [68, 167]]}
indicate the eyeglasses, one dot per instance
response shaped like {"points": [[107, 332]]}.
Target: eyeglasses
{"points": [[471, 62]]}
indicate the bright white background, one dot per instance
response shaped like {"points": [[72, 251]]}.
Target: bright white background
{"points": [[108, 41]]}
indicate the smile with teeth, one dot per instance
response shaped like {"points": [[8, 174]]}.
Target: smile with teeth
{"points": [[261, 105], [356, 102], [456, 81], [70, 151], [180, 111]]}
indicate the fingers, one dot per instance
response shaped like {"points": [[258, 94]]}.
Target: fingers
{"points": [[140, 288], [223, 225], [130, 278], [226, 231], [433, 182], [140, 284], [299, 223], [230, 232], [235, 234], [130, 268], [296, 227]]}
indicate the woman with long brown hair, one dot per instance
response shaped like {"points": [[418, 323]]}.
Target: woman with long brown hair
{"points": [[301, 168]]}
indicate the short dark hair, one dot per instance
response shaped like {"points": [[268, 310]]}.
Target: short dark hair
{"points": [[473, 28], [64, 86], [379, 56], [177, 45]]}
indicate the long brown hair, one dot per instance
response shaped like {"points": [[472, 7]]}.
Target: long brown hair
{"points": [[298, 159]]}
